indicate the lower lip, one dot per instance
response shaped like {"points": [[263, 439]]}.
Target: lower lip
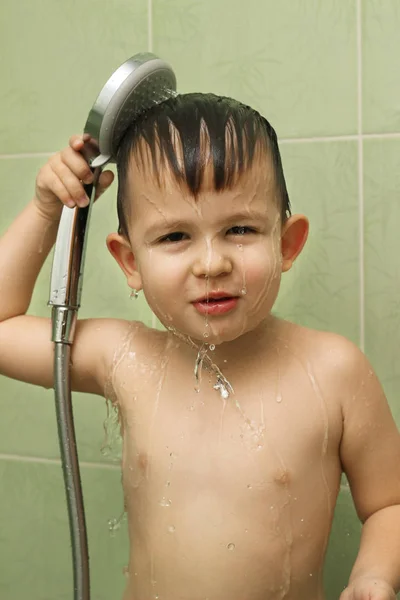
{"points": [[218, 307]]}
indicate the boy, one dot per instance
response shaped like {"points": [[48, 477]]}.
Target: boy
{"points": [[218, 468]]}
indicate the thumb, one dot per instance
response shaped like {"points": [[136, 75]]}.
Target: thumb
{"points": [[105, 180]]}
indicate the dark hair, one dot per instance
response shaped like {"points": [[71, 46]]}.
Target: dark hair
{"points": [[234, 132]]}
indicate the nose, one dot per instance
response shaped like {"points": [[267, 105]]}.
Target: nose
{"points": [[211, 262]]}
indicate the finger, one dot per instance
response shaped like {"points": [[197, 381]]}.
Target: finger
{"points": [[71, 182], [77, 164], [76, 142], [59, 190]]}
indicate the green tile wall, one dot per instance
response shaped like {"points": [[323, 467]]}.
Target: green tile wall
{"points": [[326, 74]]}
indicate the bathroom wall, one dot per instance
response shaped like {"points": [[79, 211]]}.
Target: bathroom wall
{"points": [[326, 74]]}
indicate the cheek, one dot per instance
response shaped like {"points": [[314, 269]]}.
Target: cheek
{"points": [[263, 263], [160, 272]]}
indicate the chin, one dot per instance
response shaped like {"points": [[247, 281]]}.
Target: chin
{"points": [[220, 337]]}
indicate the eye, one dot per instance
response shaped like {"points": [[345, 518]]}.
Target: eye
{"points": [[174, 237], [241, 230]]}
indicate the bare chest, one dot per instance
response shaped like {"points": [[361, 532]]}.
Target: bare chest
{"points": [[261, 438]]}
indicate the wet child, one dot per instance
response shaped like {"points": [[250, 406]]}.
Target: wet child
{"points": [[236, 425]]}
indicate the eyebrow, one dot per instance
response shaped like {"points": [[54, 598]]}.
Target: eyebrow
{"points": [[252, 215]]}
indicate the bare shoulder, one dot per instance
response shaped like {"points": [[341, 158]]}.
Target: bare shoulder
{"points": [[111, 336], [338, 362], [335, 349], [123, 340]]}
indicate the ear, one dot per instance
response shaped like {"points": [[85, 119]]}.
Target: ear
{"points": [[121, 250], [293, 237]]}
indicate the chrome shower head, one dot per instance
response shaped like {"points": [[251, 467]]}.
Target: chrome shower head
{"points": [[139, 83]]}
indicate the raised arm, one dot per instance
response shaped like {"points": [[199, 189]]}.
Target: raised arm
{"points": [[26, 350]]}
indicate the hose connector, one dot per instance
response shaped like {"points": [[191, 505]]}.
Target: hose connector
{"points": [[63, 320]]}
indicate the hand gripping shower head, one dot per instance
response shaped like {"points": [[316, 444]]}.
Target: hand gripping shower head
{"points": [[141, 82]]}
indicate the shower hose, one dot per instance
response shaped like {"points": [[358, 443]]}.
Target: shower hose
{"points": [[65, 294]]}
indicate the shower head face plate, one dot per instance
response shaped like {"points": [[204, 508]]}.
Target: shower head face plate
{"points": [[139, 83]]}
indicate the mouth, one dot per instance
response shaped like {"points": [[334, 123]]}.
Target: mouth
{"points": [[216, 304]]}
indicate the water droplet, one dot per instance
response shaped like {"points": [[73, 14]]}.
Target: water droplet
{"points": [[243, 291], [171, 529], [279, 398], [206, 334], [249, 486], [165, 502], [231, 547], [302, 520], [113, 524], [212, 347]]}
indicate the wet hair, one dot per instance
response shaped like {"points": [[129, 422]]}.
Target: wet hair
{"points": [[233, 132]]}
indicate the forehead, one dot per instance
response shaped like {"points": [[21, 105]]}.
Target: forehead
{"points": [[255, 187]]}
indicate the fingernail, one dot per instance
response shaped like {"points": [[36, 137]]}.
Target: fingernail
{"points": [[84, 201]]}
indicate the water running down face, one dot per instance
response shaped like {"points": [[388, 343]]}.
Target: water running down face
{"points": [[209, 267]]}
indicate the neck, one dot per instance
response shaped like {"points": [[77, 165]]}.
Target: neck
{"points": [[248, 345]]}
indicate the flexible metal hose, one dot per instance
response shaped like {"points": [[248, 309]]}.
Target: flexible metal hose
{"points": [[65, 296], [70, 464]]}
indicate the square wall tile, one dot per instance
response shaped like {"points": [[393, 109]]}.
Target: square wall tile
{"points": [[382, 263], [37, 564], [59, 56], [293, 61], [322, 289], [381, 65], [29, 423]]}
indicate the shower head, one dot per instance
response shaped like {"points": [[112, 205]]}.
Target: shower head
{"points": [[139, 83]]}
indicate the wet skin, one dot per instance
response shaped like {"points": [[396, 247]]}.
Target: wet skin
{"points": [[228, 499], [232, 499]]}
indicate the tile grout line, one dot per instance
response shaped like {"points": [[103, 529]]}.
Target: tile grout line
{"points": [[311, 140], [342, 138], [360, 177], [55, 461], [150, 24]]}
